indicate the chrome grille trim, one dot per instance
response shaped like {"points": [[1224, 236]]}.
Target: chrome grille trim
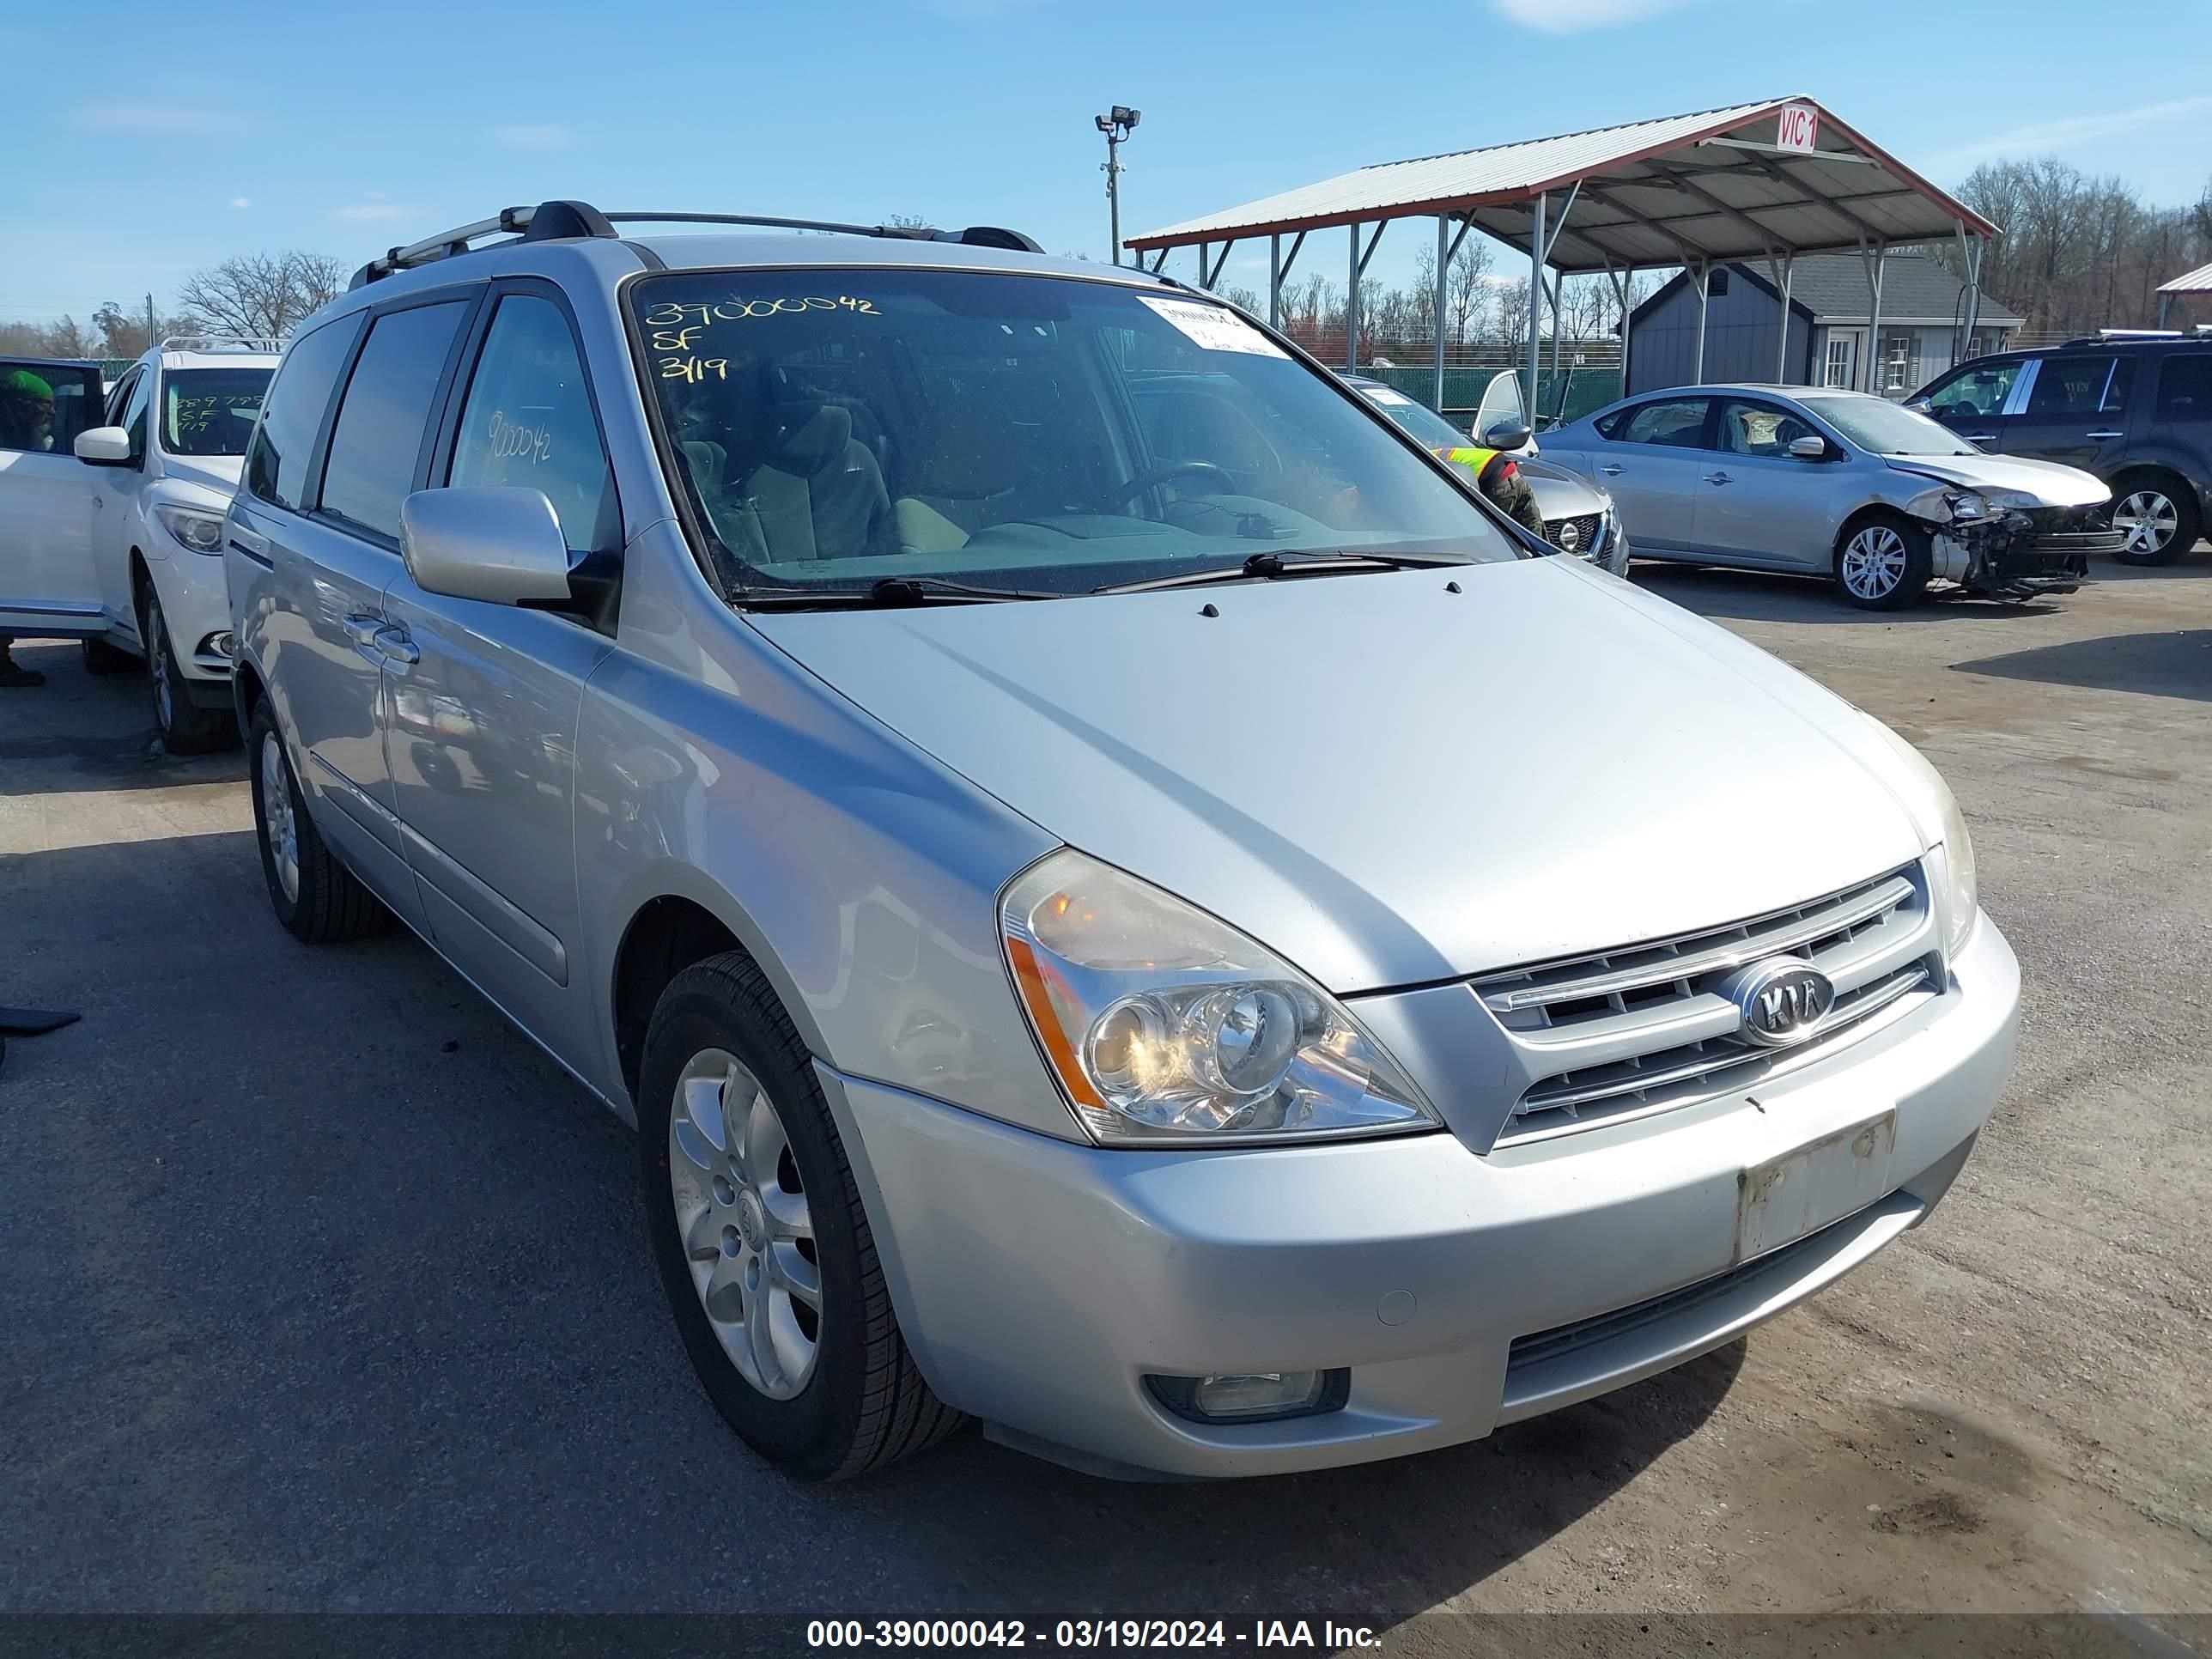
{"points": [[1621, 1034], [1651, 1071], [1775, 935]]}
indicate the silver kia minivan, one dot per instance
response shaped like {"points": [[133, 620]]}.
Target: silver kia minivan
{"points": [[1209, 956]]}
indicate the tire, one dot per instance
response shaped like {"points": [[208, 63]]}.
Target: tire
{"points": [[2162, 520], [832, 1390], [319, 901], [1882, 561], [185, 728], [103, 659]]}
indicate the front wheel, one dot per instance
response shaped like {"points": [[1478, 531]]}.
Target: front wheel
{"points": [[764, 1252], [2160, 523], [1883, 564], [185, 728]]}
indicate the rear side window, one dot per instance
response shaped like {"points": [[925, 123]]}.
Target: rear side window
{"points": [[378, 436], [1676, 423], [528, 422], [2185, 386], [276, 464], [2070, 385]]}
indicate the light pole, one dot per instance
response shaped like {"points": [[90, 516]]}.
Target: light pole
{"points": [[1117, 124]]}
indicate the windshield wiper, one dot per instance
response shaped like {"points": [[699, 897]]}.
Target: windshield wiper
{"points": [[1272, 566], [886, 591]]}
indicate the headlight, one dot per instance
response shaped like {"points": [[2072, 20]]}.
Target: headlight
{"points": [[1965, 504], [1951, 867], [1163, 1024], [200, 531]]}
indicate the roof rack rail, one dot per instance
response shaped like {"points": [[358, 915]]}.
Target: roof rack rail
{"points": [[553, 220], [262, 343]]}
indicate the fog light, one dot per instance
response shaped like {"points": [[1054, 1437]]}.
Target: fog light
{"points": [[222, 644], [1253, 1396]]}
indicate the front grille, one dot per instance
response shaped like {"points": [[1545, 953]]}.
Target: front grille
{"points": [[1645, 1027], [1586, 528]]}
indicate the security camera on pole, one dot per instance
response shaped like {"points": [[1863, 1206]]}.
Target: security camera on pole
{"points": [[1117, 124]]}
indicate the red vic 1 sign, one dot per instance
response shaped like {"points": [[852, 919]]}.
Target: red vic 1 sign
{"points": [[1800, 129]]}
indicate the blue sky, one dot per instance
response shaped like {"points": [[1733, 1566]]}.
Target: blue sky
{"points": [[348, 127]]}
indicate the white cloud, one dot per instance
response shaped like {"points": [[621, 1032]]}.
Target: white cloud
{"points": [[156, 120], [531, 137], [1574, 17], [240, 202], [369, 210], [2074, 130]]}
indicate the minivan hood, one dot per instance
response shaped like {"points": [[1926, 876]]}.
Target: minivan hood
{"points": [[2047, 483], [1387, 782]]}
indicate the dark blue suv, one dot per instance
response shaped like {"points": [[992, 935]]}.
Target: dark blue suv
{"points": [[2136, 411]]}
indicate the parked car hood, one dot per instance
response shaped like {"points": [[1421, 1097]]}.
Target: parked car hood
{"points": [[2047, 483], [220, 473], [1559, 493], [1387, 782]]}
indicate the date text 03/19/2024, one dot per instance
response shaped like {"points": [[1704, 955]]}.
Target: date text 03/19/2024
{"points": [[1324, 1635]]}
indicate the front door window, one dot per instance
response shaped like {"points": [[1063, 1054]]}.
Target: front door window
{"points": [[1836, 370]]}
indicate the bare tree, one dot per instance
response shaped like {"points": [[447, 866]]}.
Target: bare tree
{"points": [[906, 221], [263, 295], [1466, 287], [65, 338], [124, 333]]}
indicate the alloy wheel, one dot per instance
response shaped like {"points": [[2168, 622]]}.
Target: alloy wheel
{"points": [[157, 657], [279, 825], [2149, 519], [742, 1214], [1874, 562]]}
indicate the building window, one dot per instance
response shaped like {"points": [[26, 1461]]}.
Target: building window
{"points": [[1717, 282], [1897, 363], [1838, 369]]}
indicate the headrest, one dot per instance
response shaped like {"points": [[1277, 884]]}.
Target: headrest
{"points": [[813, 441]]}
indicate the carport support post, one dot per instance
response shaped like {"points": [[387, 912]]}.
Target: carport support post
{"points": [[1536, 307], [1621, 284], [1873, 353], [1781, 351], [1705, 286], [1437, 310], [1352, 306], [1275, 280]]}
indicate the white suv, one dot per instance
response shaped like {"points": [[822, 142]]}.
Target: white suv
{"points": [[131, 537]]}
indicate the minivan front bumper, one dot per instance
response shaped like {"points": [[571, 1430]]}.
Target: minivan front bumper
{"points": [[1039, 1281]]}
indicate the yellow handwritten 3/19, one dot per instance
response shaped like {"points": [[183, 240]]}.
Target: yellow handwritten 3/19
{"points": [[674, 314], [693, 368]]}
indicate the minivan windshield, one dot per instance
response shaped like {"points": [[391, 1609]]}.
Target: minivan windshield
{"points": [[1883, 428], [1052, 435], [211, 411]]}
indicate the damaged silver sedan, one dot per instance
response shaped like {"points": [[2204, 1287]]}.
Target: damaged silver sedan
{"points": [[1810, 480]]}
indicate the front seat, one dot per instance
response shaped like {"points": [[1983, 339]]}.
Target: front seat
{"points": [[818, 494]]}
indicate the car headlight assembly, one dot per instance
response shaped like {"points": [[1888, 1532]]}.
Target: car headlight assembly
{"points": [[1958, 888], [200, 531], [1967, 507], [1165, 1025]]}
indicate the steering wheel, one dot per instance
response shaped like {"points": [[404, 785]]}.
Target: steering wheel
{"points": [[1151, 476]]}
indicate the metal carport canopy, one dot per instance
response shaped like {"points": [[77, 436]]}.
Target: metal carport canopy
{"points": [[1686, 190]]}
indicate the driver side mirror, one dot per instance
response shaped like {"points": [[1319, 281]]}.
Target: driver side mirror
{"points": [[104, 445], [1506, 436], [1811, 447], [1921, 406], [502, 545]]}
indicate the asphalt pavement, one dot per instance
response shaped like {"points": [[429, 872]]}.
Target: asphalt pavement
{"points": [[324, 1291]]}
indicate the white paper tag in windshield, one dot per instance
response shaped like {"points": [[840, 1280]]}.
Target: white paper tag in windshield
{"points": [[1214, 328]]}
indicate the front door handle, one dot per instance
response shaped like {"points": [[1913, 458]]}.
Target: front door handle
{"points": [[1979, 437], [1611, 468], [1718, 478], [364, 630], [2101, 436], [392, 641]]}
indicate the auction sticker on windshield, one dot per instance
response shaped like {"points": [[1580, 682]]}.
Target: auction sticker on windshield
{"points": [[1214, 328]]}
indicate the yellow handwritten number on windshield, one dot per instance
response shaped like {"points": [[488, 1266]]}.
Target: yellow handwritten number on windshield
{"points": [[687, 318]]}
